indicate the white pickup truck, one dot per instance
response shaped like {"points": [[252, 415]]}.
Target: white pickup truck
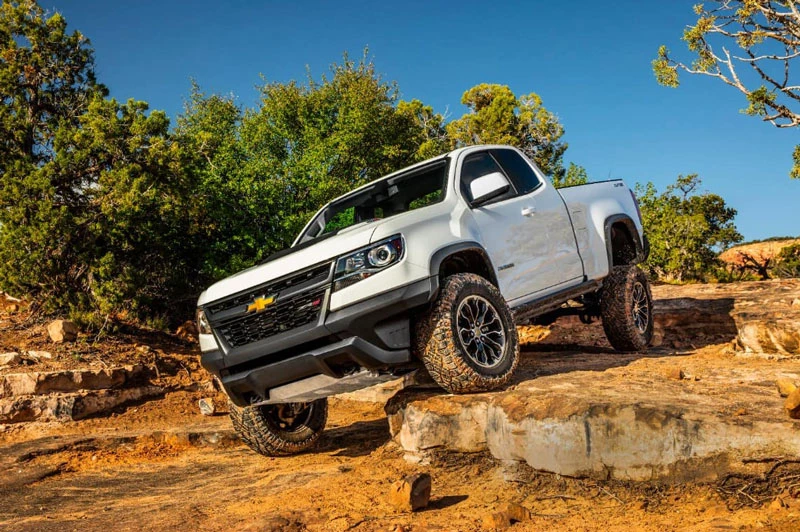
{"points": [[430, 266]]}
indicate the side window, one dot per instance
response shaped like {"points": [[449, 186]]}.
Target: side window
{"points": [[478, 165], [518, 170]]}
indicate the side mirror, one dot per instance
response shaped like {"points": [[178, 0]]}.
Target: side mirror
{"points": [[488, 187]]}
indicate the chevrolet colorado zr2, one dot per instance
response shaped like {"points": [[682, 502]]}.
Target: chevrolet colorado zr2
{"points": [[430, 266]]}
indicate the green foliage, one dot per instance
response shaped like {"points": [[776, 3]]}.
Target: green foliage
{"points": [[687, 229], [259, 175], [665, 72], [88, 206], [576, 175], [766, 34], [429, 127], [96, 226], [497, 116], [787, 263], [46, 80]]}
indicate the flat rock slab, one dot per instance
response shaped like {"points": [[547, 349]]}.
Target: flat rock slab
{"points": [[38, 383], [636, 422], [759, 316], [70, 406]]}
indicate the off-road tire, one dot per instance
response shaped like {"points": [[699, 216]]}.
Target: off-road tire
{"points": [[617, 309], [436, 343], [258, 430]]}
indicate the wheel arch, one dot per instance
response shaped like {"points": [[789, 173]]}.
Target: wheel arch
{"points": [[623, 242], [463, 257]]}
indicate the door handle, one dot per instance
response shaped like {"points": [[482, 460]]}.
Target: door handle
{"points": [[528, 211]]}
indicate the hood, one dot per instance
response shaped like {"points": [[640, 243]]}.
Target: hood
{"points": [[291, 260]]}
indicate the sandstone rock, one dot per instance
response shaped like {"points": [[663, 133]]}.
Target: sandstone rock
{"points": [[61, 331], [618, 424], [36, 355], [675, 373], [187, 331], [796, 302], [792, 404], [207, 407], [658, 337], [531, 334], [785, 386], [10, 359], [505, 516], [770, 336], [38, 383], [411, 493], [72, 406]]}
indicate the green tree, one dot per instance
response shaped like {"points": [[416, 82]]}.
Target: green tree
{"points": [[91, 192], [497, 116], [787, 262], [429, 127], [260, 174], [46, 79], [767, 34], [687, 229], [575, 175], [97, 228]]}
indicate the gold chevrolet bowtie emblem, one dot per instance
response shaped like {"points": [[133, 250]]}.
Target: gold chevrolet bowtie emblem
{"points": [[260, 303]]}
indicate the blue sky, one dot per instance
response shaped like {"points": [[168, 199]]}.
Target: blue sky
{"points": [[589, 61]]}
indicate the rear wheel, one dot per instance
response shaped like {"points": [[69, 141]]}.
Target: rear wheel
{"points": [[282, 429], [626, 307], [468, 341]]}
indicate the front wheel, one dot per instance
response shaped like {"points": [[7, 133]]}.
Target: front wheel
{"points": [[626, 307], [282, 429], [468, 341]]}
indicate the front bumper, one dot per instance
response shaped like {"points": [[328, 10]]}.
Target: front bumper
{"points": [[373, 334]]}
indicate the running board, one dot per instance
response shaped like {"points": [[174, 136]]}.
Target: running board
{"points": [[546, 304]]}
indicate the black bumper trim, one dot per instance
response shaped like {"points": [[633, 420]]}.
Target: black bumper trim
{"points": [[371, 334]]}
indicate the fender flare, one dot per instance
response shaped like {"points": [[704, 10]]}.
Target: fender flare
{"points": [[639, 241], [451, 249]]}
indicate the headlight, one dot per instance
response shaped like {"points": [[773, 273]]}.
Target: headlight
{"points": [[367, 261], [203, 327]]}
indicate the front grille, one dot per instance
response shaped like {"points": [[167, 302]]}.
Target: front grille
{"points": [[286, 314], [310, 277]]}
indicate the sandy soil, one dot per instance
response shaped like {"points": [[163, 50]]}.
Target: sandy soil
{"points": [[160, 465]]}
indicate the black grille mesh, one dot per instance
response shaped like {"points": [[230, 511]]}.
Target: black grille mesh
{"points": [[284, 315], [309, 277]]}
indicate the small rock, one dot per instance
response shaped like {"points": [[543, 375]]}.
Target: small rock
{"points": [[516, 512], [505, 516], [785, 387], [411, 493], [61, 331], [658, 338], [675, 373], [796, 302], [187, 331], [13, 307], [36, 355], [792, 404], [10, 359], [207, 407], [144, 348]]}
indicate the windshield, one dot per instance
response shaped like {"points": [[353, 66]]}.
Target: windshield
{"points": [[383, 198]]}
